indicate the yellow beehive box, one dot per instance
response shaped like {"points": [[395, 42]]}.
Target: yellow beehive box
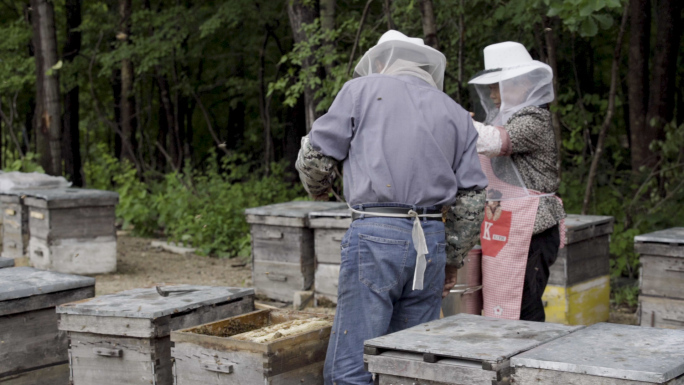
{"points": [[585, 303]]}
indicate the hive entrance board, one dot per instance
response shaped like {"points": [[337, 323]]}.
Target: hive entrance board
{"points": [[467, 349], [606, 354]]}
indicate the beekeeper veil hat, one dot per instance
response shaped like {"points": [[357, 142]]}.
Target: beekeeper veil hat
{"points": [[398, 54], [522, 81]]}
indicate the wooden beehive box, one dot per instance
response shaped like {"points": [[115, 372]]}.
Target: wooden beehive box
{"points": [[6, 262], [463, 349], [73, 230], [329, 228], [32, 349], [124, 338], [605, 354], [662, 278], [214, 354], [578, 292], [15, 234], [283, 247]]}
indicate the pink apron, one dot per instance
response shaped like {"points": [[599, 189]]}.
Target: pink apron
{"points": [[505, 237]]}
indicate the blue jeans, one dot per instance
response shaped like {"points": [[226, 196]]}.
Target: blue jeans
{"points": [[375, 295]]}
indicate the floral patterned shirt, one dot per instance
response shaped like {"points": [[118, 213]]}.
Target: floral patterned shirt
{"points": [[534, 153]]}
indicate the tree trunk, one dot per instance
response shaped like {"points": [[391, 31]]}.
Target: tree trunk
{"points": [[429, 25], [71, 147], [116, 94], [51, 114], [639, 51], [166, 126], [661, 102], [128, 118], [42, 139], [614, 74], [387, 6], [328, 14], [303, 12], [553, 63]]}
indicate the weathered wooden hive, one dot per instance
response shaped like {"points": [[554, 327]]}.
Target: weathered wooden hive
{"points": [[662, 278], [6, 262], [73, 230], [225, 352], [15, 234], [605, 354], [466, 295], [283, 247], [578, 292], [124, 338], [463, 349], [329, 227], [32, 349]]}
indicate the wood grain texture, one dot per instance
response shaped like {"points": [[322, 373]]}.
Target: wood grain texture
{"points": [[327, 245], [51, 300], [662, 276], [88, 256], [588, 229], [277, 221], [412, 366], [69, 223], [31, 340], [282, 244], [51, 375], [581, 261], [659, 312], [292, 360], [530, 376], [659, 249], [327, 278], [280, 280]]}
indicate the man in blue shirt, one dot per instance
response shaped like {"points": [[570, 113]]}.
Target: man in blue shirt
{"points": [[410, 158]]}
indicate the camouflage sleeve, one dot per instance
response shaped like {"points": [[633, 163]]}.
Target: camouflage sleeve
{"points": [[462, 225], [315, 169]]}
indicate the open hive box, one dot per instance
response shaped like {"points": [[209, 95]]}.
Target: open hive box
{"points": [[262, 347], [463, 349]]}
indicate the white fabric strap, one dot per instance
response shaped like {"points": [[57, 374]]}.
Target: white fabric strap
{"points": [[418, 236]]}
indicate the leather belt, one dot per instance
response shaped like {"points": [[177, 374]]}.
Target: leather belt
{"points": [[393, 210]]}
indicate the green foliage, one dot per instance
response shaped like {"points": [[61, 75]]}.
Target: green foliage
{"points": [[584, 16], [27, 163], [203, 209], [626, 295]]}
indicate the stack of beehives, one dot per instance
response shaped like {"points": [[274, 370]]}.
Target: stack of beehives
{"points": [[662, 278]]}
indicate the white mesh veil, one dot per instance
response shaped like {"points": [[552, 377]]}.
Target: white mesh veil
{"points": [[520, 86], [403, 56]]}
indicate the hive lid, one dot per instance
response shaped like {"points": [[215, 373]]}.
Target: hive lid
{"points": [[6, 262], [614, 351], [22, 282], [472, 337], [577, 222], [295, 209], [669, 236], [147, 303], [334, 213], [70, 197]]}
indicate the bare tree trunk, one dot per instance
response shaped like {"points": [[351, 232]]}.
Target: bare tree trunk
{"points": [[639, 52], [71, 148], [661, 102], [263, 109], [614, 73], [128, 118], [328, 14], [42, 137], [303, 12], [388, 14], [553, 63], [461, 48], [51, 114], [358, 35], [429, 25]]}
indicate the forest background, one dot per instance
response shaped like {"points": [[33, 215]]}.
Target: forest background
{"points": [[193, 110]]}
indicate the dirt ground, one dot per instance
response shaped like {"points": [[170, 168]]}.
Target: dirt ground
{"points": [[140, 265]]}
